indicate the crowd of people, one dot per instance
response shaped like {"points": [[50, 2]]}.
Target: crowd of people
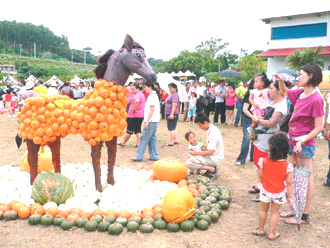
{"points": [[263, 109]]}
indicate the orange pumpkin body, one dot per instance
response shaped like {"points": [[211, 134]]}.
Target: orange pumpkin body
{"points": [[169, 170], [178, 205], [44, 161]]}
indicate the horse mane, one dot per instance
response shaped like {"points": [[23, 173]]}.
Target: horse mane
{"points": [[102, 61]]}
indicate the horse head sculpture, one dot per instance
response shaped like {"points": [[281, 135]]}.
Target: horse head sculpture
{"points": [[116, 66]]}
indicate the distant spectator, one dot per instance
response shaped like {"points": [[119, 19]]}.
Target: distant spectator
{"points": [[21, 91], [172, 113], [52, 90], [220, 107], [13, 104], [66, 90], [77, 92], [240, 93], [29, 91], [230, 104]]}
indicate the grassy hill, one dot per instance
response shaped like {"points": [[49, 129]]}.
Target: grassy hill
{"points": [[44, 68]]}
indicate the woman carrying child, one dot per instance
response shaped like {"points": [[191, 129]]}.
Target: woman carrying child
{"points": [[275, 175]]}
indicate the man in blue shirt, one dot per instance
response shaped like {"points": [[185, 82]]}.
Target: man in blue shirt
{"points": [[220, 107]]}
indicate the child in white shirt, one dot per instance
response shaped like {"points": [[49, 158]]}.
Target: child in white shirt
{"points": [[193, 144]]}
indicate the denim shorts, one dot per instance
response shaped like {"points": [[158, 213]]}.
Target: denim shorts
{"points": [[171, 123], [306, 151]]}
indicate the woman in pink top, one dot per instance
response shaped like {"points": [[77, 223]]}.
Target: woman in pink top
{"points": [[230, 103], [305, 124], [135, 115]]}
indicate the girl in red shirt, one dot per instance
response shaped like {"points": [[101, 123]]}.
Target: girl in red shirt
{"points": [[275, 175]]}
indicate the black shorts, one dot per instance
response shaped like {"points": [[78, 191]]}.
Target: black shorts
{"points": [[134, 125], [171, 123], [230, 107]]}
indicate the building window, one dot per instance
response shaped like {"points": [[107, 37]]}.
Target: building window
{"points": [[299, 31]]}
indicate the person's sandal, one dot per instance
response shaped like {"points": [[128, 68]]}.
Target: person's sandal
{"points": [[257, 232], [168, 144], [256, 198], [276, 235], [254, 190], [287, 214], [326, 185]]}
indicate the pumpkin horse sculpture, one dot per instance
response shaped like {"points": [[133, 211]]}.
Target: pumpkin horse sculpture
{"points": [[99, 117]]}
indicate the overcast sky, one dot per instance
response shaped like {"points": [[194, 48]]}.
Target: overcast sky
{"points": [[163, 28]]}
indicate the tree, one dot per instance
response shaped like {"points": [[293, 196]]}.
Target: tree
{"points": [[302, 57], [213, 46], [250, 66]]}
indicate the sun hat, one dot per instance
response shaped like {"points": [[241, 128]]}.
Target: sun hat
{"points": [[29, 85]]}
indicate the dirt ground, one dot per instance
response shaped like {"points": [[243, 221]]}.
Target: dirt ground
{"points": [[233, 229]]}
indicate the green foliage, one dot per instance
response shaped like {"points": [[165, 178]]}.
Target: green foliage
{"points": [[48, 45], [44, 69], [302, 57], [212, 77], [250, 64], [213, 46]]}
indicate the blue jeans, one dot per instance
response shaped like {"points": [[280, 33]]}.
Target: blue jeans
{"points": [[148, 138], [246, 141], [239, 106], [328, 176]]}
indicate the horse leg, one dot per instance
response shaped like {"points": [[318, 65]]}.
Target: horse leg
{"points": [[55, 148], [96, 156], [112, 150], [32, 158]]}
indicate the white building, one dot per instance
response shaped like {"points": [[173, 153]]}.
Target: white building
{"points": [[289, 33]]}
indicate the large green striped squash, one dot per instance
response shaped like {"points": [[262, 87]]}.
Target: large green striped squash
{"points": [[52, 187]]}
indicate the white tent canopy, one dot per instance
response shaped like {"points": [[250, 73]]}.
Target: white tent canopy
{"points": [[165, 79], [76, 80]]}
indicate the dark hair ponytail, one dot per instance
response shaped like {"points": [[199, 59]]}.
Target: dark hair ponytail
{"points": [[149, 84], [264, 79]]}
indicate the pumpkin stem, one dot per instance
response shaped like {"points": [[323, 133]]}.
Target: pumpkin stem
{"points": [[187, 213]]}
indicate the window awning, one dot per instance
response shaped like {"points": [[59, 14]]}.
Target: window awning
{"points": [[289, 51]]}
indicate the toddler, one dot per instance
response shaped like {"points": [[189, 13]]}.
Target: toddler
{"points": [[192, 107], [13, 104], [258, 99], [193, 144], [275, 176]]}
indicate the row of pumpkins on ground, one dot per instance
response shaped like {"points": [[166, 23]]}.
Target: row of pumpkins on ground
{"points": [[180, 211]]}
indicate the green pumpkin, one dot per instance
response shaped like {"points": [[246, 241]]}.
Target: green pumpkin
{"points": [[194, 220], [212, 199], [103, 226], [205, 217], [135, 219], [173, 227], [146, 228], [202, 225], [67, 224], [225, 197], [35, 219], [199, 212], [187, 226], [158, 217], [58, 220], [214, 216], [217, 210], [197, 200], [97, 218], [216, 195], [206, 192], [132, 226], [47, 220], [81, 222], [52, 187], [10, 215], [148, 220], [115, 229], [160, 224], [111, 219], [91, 226], [225, 191], [121, 221], [205, 203], [205, 208], [224, 204], [202, 196]]}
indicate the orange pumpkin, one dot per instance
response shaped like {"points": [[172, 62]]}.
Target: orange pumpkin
{"points": [[124, 214], [24, 212], [169, 170], [178, 205], [37, 208], [111, 212], [53, 211], [45, 162]]}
